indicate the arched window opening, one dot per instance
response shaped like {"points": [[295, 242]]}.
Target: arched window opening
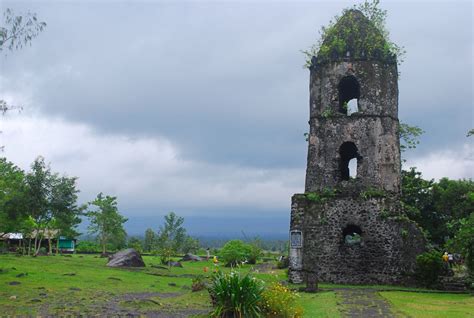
{"points": [[347, 166], [352, 234], [349, 93], [353, 168], [352, 106]]}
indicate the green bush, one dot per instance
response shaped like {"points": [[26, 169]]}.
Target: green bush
{"points": [[198, 283], [255, 253], [429, 266], [235, 296], [280, 302], [88, 247], [283, 263], [136, 244], [463, 241], [235, 252]]}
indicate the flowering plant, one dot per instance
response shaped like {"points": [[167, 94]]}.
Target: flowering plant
{"points": [[279, 301], [234, 295]]}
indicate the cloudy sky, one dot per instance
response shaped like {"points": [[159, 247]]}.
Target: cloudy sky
{"points": [[200, 107]]}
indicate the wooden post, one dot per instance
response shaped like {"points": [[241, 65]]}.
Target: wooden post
{"points": [[311, 282]]}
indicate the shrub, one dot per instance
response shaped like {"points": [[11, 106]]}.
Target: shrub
{"points": [[255, 252], [136, 244], [463, 241], [372, 193], [165, 255], [88, 247], [235, 252], [235, 296], [198, 283], [284, 262], [429, 266], [279, 301]]}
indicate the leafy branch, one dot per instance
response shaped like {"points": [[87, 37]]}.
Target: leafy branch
{"points": [[409, 136], [19, 30]]}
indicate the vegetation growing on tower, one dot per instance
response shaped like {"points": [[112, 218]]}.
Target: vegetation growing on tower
{"points": [[360, 33]]}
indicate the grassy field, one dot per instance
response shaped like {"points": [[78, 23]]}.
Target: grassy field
{"points": [[429, 305], [82, 284]]}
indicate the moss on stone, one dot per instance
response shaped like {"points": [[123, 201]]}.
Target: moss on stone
{"points": [[356, 37]]}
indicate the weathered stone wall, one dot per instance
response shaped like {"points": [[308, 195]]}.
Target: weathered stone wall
{"points": [[387, 251], [378, 87], [374, 128], [336, 205], [377, 142]]}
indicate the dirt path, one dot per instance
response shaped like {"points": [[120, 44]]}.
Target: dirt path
{"points": [[125, 305], [364, 303]]}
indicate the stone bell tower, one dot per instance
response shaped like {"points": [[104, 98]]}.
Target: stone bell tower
{"points": [[348, 227]]}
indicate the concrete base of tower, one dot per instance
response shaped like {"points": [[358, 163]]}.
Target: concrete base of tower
{"points": [[352, 240]]}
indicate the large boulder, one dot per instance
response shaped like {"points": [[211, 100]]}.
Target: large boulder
{"points": [[126, 258], [174, 264], [190, 257]]}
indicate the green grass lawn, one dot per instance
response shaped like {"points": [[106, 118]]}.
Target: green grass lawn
{"points": [[60, 285], [430, 305], [322, 304]]}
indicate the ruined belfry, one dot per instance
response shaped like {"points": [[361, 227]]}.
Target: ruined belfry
{"points": [[348, 226]]}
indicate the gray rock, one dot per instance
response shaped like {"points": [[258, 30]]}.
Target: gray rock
{"points": [[190, 257], [126, 258], [174, 264]]}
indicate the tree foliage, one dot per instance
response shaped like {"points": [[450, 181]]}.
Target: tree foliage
{"points": [[438, 207], [454, 201], [106, 221], [463, 240], [172, 238], [19, 30], [65, 209], [51, 202], [150, 240], [12, 196], [416, 195], [429, 266], [409, 136], [37, 202], [235, 252], [135, 243]]}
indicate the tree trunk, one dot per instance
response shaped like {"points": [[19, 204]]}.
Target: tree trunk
{"points": [[50, 247], [34, 247], [103, 247], [39, 246], [29, 246], [57, 244]]}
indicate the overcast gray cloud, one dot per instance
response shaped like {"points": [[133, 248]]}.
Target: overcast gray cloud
{"points": [[152, 99]]}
